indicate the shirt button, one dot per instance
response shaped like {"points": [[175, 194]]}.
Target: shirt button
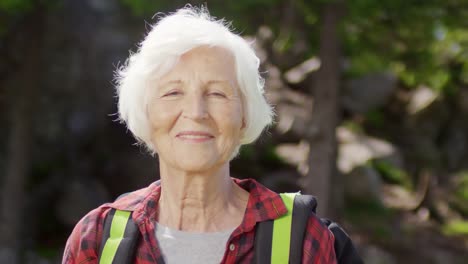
{"points": [[232, 247]]}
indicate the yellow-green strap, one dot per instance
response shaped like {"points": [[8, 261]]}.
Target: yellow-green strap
{"points": [[282, 232], [117, 230]]}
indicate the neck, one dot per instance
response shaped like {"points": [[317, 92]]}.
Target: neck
{"points": [[206, 201]]}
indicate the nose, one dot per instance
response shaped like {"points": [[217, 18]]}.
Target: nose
{"points": [[195, 107]]}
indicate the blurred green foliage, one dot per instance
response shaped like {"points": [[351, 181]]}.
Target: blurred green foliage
{"points": [[15, 6], [270, 158], [247, 152], [353, 126], [240, 12], [456, 228], [421, 42], [47, 252], [12, 10], [461, 191], [375, 118], [146, 7], [18, 7], [371, 215], [392, 174], [459, 194]]}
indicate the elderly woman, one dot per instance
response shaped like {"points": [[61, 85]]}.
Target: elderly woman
{"points": [[192, 94]]}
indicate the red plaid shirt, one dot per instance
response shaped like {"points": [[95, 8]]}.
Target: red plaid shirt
{"points": [[264, 204]]}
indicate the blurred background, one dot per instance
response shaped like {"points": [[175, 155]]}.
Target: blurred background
{"points": [[372, 117]]}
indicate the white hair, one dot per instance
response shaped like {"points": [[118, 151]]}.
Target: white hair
{"points": [[171, 37]]}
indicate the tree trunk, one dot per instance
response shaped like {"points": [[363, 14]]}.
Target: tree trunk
{"points": [[321, 136], [21, 89]]}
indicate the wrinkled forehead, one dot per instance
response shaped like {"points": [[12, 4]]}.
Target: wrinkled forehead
{"points": [[206, 63], [211, 52]]}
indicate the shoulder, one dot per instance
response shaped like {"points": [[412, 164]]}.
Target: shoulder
{"points": [[318, 242], [84, 242], [317, 230]]}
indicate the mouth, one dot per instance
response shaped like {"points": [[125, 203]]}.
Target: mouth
{"points": [[194, 136]]}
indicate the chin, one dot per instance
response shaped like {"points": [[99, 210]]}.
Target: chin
{"points": [[199, 162]]}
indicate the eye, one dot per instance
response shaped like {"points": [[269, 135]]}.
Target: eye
{"points": [[217, 94], [172, 93]]}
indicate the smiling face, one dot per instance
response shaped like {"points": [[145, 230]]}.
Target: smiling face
{"points": [[196, 111]]}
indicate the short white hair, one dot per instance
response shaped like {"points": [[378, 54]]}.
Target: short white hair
{"points": [[171, 37]]}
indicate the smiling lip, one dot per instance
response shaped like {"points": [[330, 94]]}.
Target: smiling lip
{"points": [[194, 136]]}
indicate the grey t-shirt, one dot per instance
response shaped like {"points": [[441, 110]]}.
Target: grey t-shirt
{"points": [[190, 247]]}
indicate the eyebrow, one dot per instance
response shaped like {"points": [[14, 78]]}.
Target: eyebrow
{"points": [[172, 81], [218, 81], [178, 81]]}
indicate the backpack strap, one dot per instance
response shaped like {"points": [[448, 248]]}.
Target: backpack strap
{"points": [[119, 238], [280, 245], [278, 241], [121, 234], [263, 239], [304, 206]]}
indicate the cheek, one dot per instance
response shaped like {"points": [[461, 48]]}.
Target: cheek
{"points": [[161, 120], [230, 121], [161, 115], [237, 117]]}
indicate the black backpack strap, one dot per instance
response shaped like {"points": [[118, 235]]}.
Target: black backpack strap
{"points": [[263, 240], [127, 247], [304, 205], [345, 251]]}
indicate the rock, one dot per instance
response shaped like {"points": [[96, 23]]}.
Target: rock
{"points": [[293, 109], [363, 183], [420, 99], [300, 72], [274, 83], [78, 198], [356, 150], [423, 132], [295, 154], [375, 255], [395, 196], [265, 33], [428, 123], [368, 92]]}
